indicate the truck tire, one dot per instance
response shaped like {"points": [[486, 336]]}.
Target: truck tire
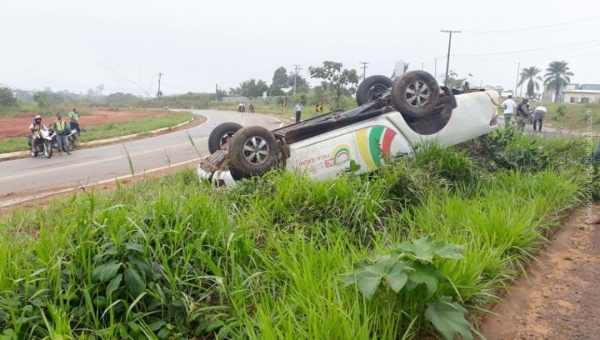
{"points": [[253, 151], [415, 94], [372, 88], [220, 134]]}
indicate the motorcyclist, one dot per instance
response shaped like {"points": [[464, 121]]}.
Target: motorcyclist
{"points": [[251, 107], [36, 127]]}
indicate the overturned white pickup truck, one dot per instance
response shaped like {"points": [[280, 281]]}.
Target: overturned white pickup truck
{"points": [[392, 117]]}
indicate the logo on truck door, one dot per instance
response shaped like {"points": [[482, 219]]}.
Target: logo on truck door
{"points": [[339, 156], [374, 142]]}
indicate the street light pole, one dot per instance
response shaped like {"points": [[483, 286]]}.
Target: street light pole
{"points": [[448, 57]]}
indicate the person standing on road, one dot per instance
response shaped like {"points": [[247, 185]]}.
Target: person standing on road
{"points": [[538, 117], [60, 127], [509, 109], [74, 120], [298, 110], [523, 114], [36, 127]]}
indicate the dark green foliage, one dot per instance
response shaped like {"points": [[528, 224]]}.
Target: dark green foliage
{"points": [[7, 98], [507, 149]]}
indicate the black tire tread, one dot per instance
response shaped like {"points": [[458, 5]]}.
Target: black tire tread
{"points": [[236, 147], [214, 139]]}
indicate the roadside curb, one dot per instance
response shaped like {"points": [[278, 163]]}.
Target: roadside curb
{"points": [[22, 154]]}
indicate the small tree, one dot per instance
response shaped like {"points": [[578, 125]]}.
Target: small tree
{"points": [[557, 77], [530, 75], [456, 83], [334, 78], [7, 97], [280, 77]]}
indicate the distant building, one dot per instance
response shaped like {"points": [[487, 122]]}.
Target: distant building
{"points": [[581, 93]]}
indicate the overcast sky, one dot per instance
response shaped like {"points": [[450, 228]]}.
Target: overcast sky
{"points": [[77, 45]]}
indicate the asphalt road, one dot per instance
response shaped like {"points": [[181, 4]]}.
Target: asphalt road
{"points": [[89, 166]]}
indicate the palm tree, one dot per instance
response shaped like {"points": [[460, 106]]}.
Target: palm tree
{"points": [[557, 77], [530, 74]]}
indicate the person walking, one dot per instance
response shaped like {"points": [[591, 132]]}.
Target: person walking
{"points": [[509, 109], [538, 117], [298, 110], [523, 114], [74, 120], [60, 127]]}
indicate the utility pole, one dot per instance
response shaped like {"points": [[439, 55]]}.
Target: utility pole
{"points": [[517, 81], [448, 57], [364, 69], [296, 69], [159, 94]]}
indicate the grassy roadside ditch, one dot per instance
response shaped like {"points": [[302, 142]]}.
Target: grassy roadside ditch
{"points": [[109, 130], [420, 247]]}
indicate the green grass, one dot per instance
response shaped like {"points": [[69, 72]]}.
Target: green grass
{"points": [[109, 130], [172, 258]]}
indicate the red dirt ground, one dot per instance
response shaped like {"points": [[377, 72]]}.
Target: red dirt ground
{"points": [[17, 126], [558, 300]]}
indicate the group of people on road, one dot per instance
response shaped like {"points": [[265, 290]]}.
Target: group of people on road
{"points": [[242, 107], [523, 114], [59, 126]]}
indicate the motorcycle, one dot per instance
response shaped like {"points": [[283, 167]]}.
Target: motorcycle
{"points": [[73, 138], [251, 109], [44, 144]]}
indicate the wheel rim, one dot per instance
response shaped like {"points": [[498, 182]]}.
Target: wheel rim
{"points": [[256, 150], [376, 91], [417, 94]]}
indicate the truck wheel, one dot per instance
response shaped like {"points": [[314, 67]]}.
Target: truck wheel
{"points": [[220, 134], [372, 88], [415, 94], [253, 151]]}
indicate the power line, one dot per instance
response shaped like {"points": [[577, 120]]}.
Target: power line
{"points": [[533, 28], [535, 59], [522, 51], [538, 32]]}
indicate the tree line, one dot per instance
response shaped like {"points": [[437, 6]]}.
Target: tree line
{"points": [[336, 86]]}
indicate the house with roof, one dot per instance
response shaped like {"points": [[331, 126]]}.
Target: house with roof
{"points": [[582, 93]]}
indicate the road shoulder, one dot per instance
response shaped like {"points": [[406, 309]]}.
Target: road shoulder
{"points": [[559, 297]]}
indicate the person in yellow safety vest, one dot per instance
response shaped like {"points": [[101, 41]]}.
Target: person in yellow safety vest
{"points": [[36, 127], [74, 118], [62, 131]]}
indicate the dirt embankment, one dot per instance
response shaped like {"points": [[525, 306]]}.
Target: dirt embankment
{"points": [[18, 126], [559, 299]]}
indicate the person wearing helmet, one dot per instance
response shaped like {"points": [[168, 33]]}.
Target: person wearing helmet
{"points": [[74, 120], [36, 127]]}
